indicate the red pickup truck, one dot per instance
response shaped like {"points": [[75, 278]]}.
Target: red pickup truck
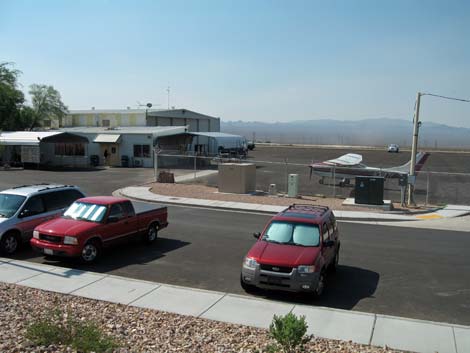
{"points": [[294, 251], [93, 223]]}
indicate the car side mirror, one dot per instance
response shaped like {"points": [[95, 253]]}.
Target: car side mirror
{"points": [[25, 213], [329, 243], [113, 219], [256, 235]]}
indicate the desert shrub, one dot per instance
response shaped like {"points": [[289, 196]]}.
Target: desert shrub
{"points": [[60, 329], [289, 332]]}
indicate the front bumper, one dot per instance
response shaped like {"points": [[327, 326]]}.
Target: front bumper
{"points": [[290, 282], [47, 248]]}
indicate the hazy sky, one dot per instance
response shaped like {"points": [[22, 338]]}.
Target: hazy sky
{"points": [[247, 60]]}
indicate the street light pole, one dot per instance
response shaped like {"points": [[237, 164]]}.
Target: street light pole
{"points": [[414, 147]]}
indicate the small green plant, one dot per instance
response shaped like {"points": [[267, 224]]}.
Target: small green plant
{"points": [[289, 332], [60, 329]]}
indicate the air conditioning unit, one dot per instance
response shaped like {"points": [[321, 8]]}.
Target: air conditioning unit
{"points": [[137, 163]]}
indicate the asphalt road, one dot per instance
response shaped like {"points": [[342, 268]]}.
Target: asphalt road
{"points": [[407, 272], [423, 274], [436, 187]]}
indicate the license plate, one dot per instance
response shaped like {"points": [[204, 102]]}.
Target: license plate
{"points": [[48, 251], [274, 280]]}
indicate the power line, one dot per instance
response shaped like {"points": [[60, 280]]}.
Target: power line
{"points": [[451, 98]]}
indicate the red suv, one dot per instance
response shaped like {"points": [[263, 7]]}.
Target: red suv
{"points": [[294, 251]]}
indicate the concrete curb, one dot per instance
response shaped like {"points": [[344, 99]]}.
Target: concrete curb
{"points": [[143, 193], [257, 208], [359, 327]]}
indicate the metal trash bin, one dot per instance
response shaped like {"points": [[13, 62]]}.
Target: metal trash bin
{"points": [[369, 190], [95, 160], [125, 161]]}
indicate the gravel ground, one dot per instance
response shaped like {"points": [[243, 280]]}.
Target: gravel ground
{"points": [[198, 191], [136, 329]]}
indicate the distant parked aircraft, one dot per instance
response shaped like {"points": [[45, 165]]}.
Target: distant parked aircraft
{"points": [[349, 166]]}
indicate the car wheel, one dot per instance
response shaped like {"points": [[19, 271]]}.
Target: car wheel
{"points": [[335, 262], [247, 287], [320, 285], [91, 252], [9, 244], [151, 234]]}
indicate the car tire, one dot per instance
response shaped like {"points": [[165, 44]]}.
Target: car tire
{"points": [[335, 262], [9, 243], [320, 286], [91, 252], [151, 234], [247, 287]]}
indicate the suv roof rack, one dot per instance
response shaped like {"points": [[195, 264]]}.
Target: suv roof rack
{"points": [[55, 187], [308, 207], [29, 185]]}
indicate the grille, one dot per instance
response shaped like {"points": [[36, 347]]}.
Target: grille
{"points": [[272, 268], [274, 281], [50, 238]]}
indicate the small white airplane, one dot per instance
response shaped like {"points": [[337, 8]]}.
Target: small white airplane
{"points": [[349, 166]]}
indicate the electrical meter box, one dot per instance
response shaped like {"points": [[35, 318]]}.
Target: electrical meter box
{"points": [[293, 185]]}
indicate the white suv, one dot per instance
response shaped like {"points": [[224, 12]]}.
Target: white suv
{"points": [[22, 208], [393, 148]]}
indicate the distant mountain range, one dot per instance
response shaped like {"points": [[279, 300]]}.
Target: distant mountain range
{"points": [[368, 132]]}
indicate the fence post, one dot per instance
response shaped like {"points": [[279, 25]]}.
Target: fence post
{"points": [[427, 190], [286, 160], [195, 160], [334, 181], [155, 153]]}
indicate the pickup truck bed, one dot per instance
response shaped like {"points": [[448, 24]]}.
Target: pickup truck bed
{"points": [[143, 207]]}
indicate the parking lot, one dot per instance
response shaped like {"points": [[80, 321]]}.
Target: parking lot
{"points": [[92, 182], [390, 270]]}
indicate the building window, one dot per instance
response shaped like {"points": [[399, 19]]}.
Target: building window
{"points": [[69, 149], [105, 122], [142, 151], [46, 123]]}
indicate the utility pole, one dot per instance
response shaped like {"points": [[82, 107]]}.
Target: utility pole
{"points": [[414, 147]]}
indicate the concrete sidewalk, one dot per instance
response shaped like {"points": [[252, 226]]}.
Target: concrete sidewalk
{"points": [[143, 193], [365, 328]]}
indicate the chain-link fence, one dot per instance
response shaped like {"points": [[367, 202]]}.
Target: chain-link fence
{"points": [[431, 188]]}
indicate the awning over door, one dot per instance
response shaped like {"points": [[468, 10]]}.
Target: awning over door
{"points": [[107, 138]]}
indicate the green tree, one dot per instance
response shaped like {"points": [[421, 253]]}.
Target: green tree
{"points": [[11, 98], [47, 104]]}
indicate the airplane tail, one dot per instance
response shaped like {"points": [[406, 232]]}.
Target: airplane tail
{"points": [[421, 158]]}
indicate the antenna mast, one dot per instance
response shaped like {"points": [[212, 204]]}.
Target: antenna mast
{"points": [[168, 94]]}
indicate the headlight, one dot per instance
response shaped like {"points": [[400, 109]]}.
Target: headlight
{"points": [[249, 262], [306, 269], [35, 234], [70, 240]]}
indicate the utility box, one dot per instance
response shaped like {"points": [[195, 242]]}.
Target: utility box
{"points": [[237, 178], [369, 190], [293, 185], [272, 190]]}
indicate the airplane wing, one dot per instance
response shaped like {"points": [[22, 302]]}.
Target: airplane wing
{"points": [[349, 159]]}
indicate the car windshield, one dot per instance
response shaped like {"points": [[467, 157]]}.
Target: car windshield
{"points": [[9, 204], [85, 212], [300, 234]]}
